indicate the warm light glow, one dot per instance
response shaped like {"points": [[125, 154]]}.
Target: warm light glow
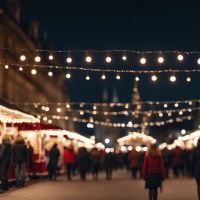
{"points": [[81, 113], [6, 66], [198, 61], [69, 60], [46, 109], [180, 112], [160, 114], [183, 131], [89, 125], [124, 58], [118, 77], [59, 110], [50, 121], [20, 69], [188, 79], [108, 59], [87, 77], [88, 59], [50, 73], [37, 59], [33, 71], [143, 61], [68, 106], [22, 58], [107, 141], [50, 57], [173, 78], [165, 105], [154, 78], [68, 75], [45, 118], [176, 105], [103, 77], [180, 57], [160, 60], [137, 78]]}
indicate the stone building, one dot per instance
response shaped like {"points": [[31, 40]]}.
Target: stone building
{"points": [[22, 86]]}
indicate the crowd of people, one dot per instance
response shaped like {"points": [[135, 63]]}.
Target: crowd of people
{"points": [[153, 166]]}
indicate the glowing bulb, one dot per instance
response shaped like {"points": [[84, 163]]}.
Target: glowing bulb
{"points": [[68, 75], [198, 61], [137, 78], [124, 58], [45, 118], [37, 59], [68, 106], [118, 77], [87, 77], [143, 61], [176, 105], [188, 79], [154, 78], [46, 109], [50, 57], [50, 73], [6, 66], [180, 57], [69, 60], [180, 112], [33, 71], [160, 60], [22, 58], [88, 59], [183, 131], [81, 113], [165, 105], [173, 78], [50, 121], [59, 110], [160, 114], [103, 77], [107, 140], [20, 69], [108, 59]]}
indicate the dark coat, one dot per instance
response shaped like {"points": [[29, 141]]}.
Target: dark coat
{"points": [[54, 155], [5, 153], [83, 160], [109, 160], [19, 151], [196, 161]]}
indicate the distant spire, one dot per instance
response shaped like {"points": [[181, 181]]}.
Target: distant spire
{"points": [[115, 98], [105, 95], [136, 94]]}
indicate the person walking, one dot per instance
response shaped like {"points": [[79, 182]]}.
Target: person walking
{"points": [[54, 155], [83, 162], [30, 159], [95, 162], [109, 163], [5, 158], [195, 160], [134, 158], [178, 162], [20, 158], [69, 159], [153, 171]]}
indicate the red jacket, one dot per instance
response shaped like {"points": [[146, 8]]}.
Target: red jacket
{"points": [[178, 156], [153, 164], [69, 156]]}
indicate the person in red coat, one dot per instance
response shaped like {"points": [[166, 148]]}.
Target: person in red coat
{"points": [[153, 171], [69, 159]]}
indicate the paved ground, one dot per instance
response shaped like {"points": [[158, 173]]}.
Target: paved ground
{"points": [[121, 188]]}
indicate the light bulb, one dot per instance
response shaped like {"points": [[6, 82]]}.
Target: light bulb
{"points": [[6, 66], [180, 112], [69, 60], [68, 75], [103, 77], [50, 121], [46, 109], [198, 61], [124, 58], [154, 78], [108, 59], [188, 79], [143, 61], [87, 77], [165, 105], [81, 113], [33, 71], [173, 78], [50, 73], [37, 59], [20, 69], [180, 57], [59, 110], [45, 118], [118, 77], [176, 105], [137, 78], [50, 57], [160, 60], [88, 59], [22, 58]]}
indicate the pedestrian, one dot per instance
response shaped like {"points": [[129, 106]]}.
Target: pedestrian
{"points": [[95, 162], [134, 158], [109, 163], [69, 159], [83, 162], [54, 155], [178, 162], [30, 161], [195, 159], [153, 171], [5, 158], [20, 158]]}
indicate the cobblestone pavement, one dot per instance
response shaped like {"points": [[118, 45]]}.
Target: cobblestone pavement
{"points": [[120, 188]]}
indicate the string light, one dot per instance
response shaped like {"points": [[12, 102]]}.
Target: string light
{"points": [[198, 61], [20, 69], [188, 79], [103, 77], [108, 59], [22, 58], [173, 78], [124, 58], [33, 71], [137, 78], [68, 106], [160, 60], [143, 61], [6, 66], [50, 73], [59, 110], [88, 59], [68, 75], [118, 77], [180, 57], [69, 60], [50, 57], [154, 78], [176, 105], [37, 59], [87, 77], [165, 105]]}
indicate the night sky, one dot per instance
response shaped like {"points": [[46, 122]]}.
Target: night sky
{"points": [[135, 25]]}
